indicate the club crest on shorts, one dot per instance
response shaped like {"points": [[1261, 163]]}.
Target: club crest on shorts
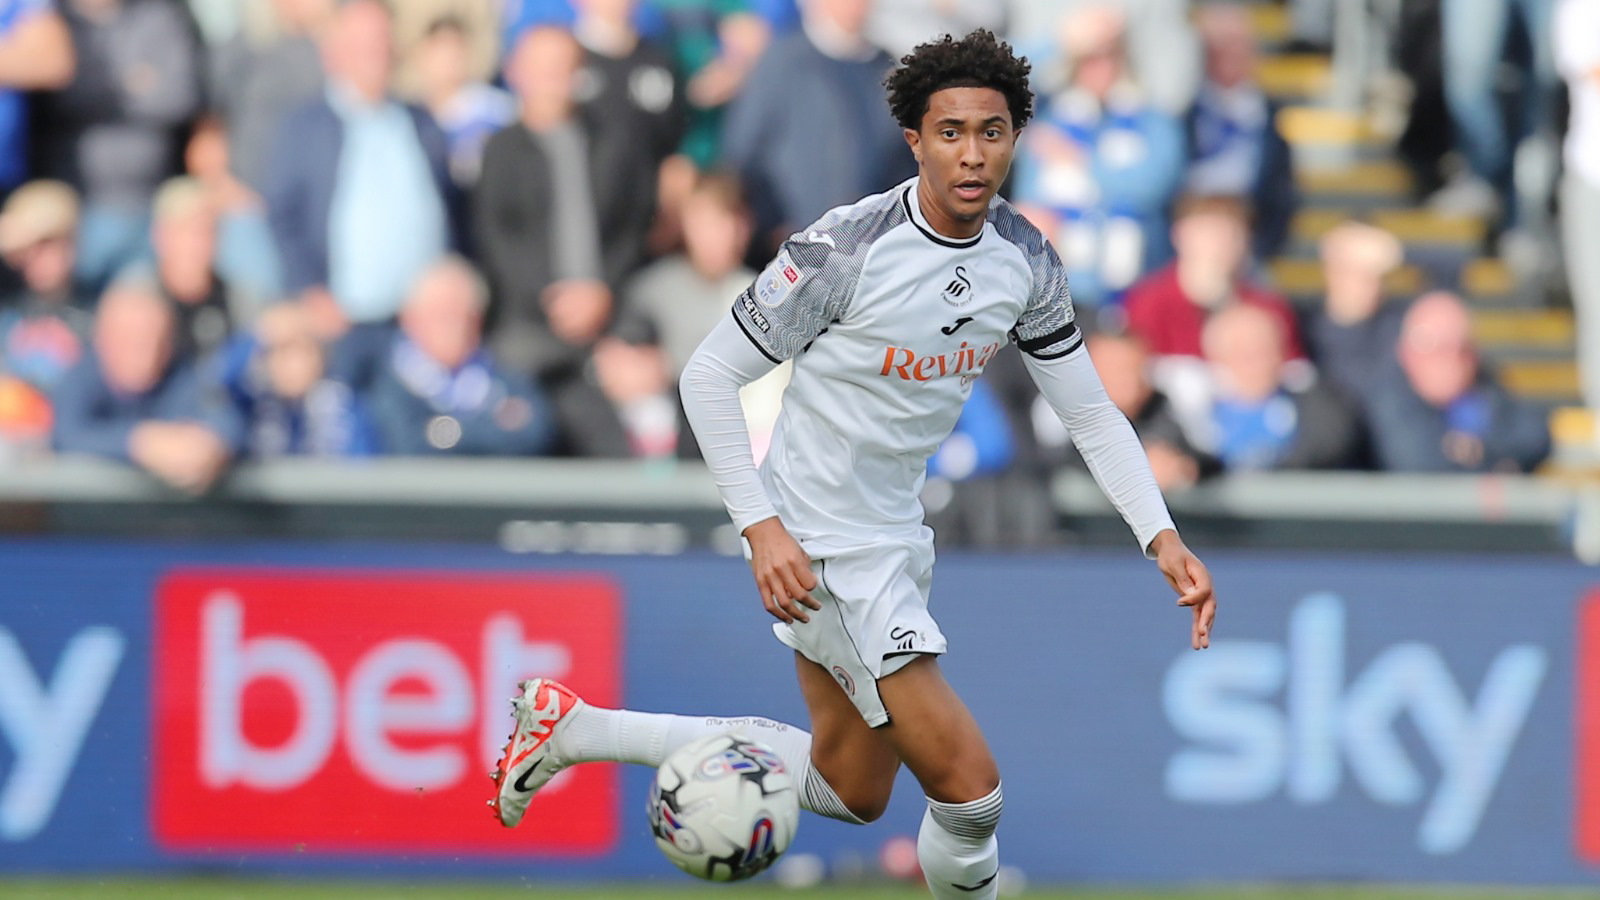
{"points": [[845, 681]]}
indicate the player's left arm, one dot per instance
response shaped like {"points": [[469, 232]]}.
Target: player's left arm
{"points": [[1055, 357]]}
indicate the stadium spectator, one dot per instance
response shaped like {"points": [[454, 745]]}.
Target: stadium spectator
{"points": [[1265, 414], [898, 26], [628, 78], [271, 68], [183, 233], [38, 237], [1352, 335], [1100, 164], [131, 399], [1161, 45], [116, 130], [441, 391], [359, 196], [1235, 148], [1123, 363], [276, 378], [1168, 308], [469, 111], [36, 54], [1440, 410], [43, 330], [560, 215], [480, 26], [1577, 37], [674, 302], [808, 132], [716, 44], [247, 255], [669, 308], [1474, 59]]}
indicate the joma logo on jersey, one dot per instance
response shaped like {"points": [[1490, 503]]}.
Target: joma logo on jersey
{"points": [[965, 360], [959, 291]]}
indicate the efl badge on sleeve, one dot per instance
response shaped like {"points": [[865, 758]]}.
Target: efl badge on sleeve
{"points": [[779, 278]]}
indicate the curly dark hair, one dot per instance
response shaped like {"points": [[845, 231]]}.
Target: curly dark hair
{"points": [[978, 60]]}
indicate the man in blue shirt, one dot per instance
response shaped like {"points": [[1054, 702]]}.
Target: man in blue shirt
{"points": [[359, 193]]}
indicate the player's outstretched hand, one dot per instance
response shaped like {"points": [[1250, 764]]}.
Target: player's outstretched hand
{"points": [[782, 570], [1188, 576]]}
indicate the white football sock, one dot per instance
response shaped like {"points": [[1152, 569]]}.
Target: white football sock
{"points": [[596, 734], [957, 848], [622, 735]]}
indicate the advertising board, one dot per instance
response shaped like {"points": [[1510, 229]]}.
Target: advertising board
{"points": [[295, 708]]}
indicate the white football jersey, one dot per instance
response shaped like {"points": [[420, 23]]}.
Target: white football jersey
{"points": [[888, 323]]}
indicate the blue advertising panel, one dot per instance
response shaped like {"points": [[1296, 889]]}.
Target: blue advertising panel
{"points": [[1397, 718]]}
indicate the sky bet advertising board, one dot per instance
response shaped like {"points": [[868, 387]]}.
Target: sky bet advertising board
{"points": [[294, 708]]}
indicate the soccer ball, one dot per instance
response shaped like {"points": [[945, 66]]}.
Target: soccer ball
{"points": [[723, 808]]}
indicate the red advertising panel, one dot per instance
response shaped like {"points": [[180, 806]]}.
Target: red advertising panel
{"points": [[332, 712], [1587, 718]]}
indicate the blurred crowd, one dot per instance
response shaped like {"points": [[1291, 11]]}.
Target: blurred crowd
{"points": [[248, 229]]}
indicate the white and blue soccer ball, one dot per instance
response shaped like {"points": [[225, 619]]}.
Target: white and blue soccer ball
{"points": [[724, 808]]}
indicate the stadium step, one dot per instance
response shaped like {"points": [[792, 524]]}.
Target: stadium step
{"points": [[1293, 77], [1542, 330], [1381, 181], [1327, 140], [1302, 280], [1575, 436], [1270, 22], [1418, 227], [1488, 277], [1548, 381]]}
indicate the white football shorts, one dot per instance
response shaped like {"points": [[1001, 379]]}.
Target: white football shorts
{"points": [[874, 619]]}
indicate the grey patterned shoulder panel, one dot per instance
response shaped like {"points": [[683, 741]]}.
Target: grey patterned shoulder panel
{"points": [[1046, 328], [808, 285]]}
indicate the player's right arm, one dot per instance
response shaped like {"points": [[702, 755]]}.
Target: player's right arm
{"points": [[775, 319]]}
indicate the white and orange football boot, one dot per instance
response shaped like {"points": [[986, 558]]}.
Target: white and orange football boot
{"points": [[543, 708]]}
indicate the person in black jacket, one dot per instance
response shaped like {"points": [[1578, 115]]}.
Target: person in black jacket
{"points": [[560, 216], [1437, 409]]}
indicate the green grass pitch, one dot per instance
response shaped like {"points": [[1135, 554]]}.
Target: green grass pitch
{"points": [[215, 889]]}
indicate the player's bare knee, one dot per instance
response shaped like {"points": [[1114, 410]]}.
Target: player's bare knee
{"points": [[963, 779], [867, 805]]}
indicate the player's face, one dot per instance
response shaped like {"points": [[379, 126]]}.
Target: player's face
{"points": [[964, 151]]}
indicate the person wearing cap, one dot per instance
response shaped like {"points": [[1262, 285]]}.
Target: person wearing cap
{"points": [[1352, 335], [130, 398], [43, 328]]}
